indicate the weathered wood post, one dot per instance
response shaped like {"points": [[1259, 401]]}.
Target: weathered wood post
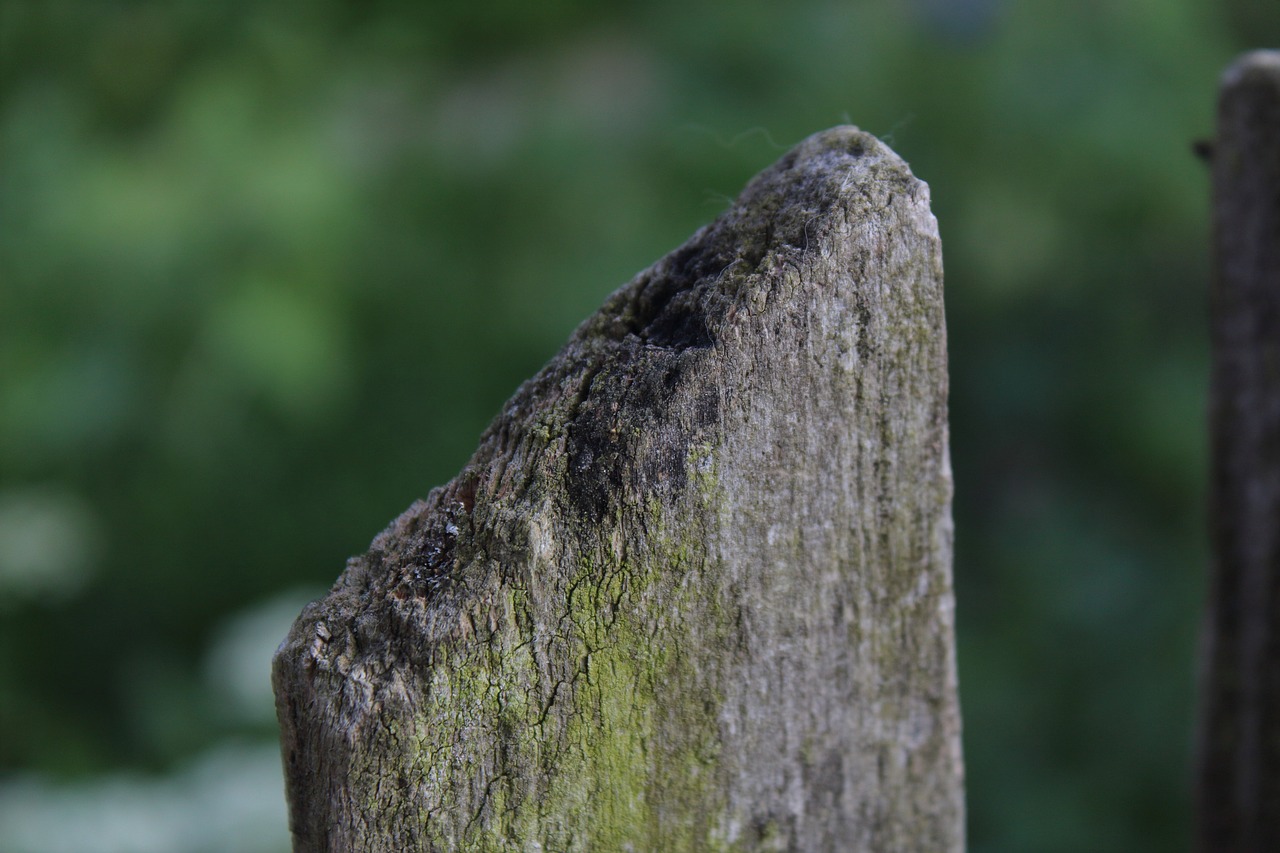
{"points": [[693, 590], [1239, 762]]}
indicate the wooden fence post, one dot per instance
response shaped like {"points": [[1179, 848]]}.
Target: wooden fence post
{"points": [[1239, 760], [693, 591]]}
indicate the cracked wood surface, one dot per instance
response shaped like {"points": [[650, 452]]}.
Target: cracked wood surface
{"points": [[693, 590]]}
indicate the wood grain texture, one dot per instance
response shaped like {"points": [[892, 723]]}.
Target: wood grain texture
{"points": [[693, 590], [1239, 761]]}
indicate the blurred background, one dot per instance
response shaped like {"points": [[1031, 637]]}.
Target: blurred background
{"points": [[267, 269]]}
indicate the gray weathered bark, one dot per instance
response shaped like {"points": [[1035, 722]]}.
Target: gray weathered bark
{"points": [[1239, 772], [693, 590]]}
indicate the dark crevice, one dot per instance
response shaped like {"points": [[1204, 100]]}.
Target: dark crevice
{"points": [[669, 309]]}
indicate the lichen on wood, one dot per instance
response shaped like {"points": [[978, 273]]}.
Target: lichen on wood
{"points": [[692, 592]]}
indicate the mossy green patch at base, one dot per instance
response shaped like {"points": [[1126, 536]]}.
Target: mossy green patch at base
{"points": [[618, 753]]}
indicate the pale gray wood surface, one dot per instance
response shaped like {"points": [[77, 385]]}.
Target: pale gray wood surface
{"points": [[693, 591]]}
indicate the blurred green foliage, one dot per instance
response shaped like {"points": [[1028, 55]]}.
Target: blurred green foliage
{"points": [[267, 270]]}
